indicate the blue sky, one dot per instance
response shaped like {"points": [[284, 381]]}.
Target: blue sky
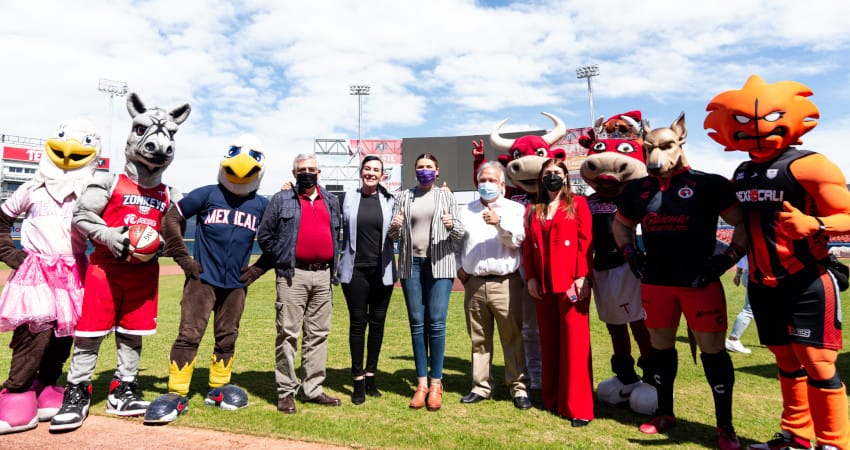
{"points": [[281, 70]]}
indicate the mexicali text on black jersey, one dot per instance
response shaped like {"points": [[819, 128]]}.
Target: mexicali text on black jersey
{"points": [[761, 188], [224, 236], [606, 255], [679, 223]]}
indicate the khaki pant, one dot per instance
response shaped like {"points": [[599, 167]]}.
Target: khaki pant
{"points": [[303, 304], [496, 299]]}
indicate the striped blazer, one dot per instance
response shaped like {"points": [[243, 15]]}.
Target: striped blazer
{"points": [[444, 243]]}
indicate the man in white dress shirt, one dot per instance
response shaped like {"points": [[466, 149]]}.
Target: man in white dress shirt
{"points": [[489, 270]]}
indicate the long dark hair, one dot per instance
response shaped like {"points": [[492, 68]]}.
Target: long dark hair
{"points": [[540, 207], [381, 188]]}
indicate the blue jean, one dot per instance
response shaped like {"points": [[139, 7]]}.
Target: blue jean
{"points": [[427, 300], [742, 321]]}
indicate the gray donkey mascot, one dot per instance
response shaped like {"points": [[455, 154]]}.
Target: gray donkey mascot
{"points": [[120, 290]]}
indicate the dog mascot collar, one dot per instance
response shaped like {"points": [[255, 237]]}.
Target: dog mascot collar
{"points": [[762, 119]]}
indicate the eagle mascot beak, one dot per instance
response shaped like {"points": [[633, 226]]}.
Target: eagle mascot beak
{"points": [[243, 165], [76, 145]]}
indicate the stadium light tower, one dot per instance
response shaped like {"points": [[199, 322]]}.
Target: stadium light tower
{"points": [[114, 89], [589, 72], [359, 90]]}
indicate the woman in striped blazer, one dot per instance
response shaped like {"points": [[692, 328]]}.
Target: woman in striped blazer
{"points": [[425, 221]]}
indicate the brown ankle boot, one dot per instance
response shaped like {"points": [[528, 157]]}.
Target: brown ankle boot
{"points": [[435, 396], [418, 400]]}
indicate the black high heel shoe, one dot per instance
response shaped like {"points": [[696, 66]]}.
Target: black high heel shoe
{"points": [[371, 389], [358, 396]]}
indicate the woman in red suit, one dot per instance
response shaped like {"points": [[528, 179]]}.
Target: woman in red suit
{"points": [[556, 258]]}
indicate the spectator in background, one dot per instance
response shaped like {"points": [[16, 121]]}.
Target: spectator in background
{"points": [[299, 228], [556, 257], [425, 221], [367, 272], [742, 321], [489, 270]]}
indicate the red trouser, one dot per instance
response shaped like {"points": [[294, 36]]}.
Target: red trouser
{"points": [[565, 347]]}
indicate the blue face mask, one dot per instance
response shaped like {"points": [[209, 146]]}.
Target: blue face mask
{"points": [[489, 191]]}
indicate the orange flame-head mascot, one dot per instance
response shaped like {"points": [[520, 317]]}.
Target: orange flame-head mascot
{"points": [[793, 201]]}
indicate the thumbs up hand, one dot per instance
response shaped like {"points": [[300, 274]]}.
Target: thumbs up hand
{"points": [[795, 224], [490, 216], [447, 219], [398, 220], [445, 187]]}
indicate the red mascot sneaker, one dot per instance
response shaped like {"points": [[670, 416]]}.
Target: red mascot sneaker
{"points": [[727, 439], [658, 424], [18, 411]]}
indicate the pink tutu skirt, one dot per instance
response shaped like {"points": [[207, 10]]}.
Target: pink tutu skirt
{"points": [[45, 292]]}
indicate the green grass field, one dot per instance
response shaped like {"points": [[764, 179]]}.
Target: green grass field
{"points": [[387, 422]]}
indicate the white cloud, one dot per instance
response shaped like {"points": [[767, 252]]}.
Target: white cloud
{"points": [[281, 70]]}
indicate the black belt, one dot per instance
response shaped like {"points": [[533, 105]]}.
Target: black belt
{"points": [[493, 277], [313, 267]]}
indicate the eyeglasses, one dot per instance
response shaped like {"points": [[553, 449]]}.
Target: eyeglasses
{"points": [[307, 170]]}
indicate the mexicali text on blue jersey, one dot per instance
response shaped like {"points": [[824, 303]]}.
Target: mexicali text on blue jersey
{"points": [[224, 237], [679, 224]]}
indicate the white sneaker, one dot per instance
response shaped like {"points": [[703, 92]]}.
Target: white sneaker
{"points": [[737, 346]]}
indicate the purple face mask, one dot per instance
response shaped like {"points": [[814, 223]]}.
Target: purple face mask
{"points": [[426, 177]]}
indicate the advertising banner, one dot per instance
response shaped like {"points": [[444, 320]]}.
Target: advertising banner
{"points": [[34, 155], [388, 149]]}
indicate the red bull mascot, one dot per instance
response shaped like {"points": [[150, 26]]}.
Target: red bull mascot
{"points": [[614, 158]]}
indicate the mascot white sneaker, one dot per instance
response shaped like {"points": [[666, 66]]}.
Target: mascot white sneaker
{"points": [[122, 291]]}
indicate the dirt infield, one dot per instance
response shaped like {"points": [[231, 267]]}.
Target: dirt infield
{"points": [[100, 432]]}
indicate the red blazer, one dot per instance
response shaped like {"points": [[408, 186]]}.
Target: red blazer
{"points": [[569, 248]]}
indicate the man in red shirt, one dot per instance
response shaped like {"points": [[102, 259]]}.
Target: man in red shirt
{"points": [[299, 228]]}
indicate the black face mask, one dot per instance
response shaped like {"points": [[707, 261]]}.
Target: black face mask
{"points": [[306, 179], [553, 182]]}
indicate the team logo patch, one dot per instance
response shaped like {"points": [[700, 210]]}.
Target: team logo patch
{"points": [[771, 173], [739, 176], [686, 192]]}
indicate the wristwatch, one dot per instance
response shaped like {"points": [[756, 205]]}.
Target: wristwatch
{"points": [[821, 227]]}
